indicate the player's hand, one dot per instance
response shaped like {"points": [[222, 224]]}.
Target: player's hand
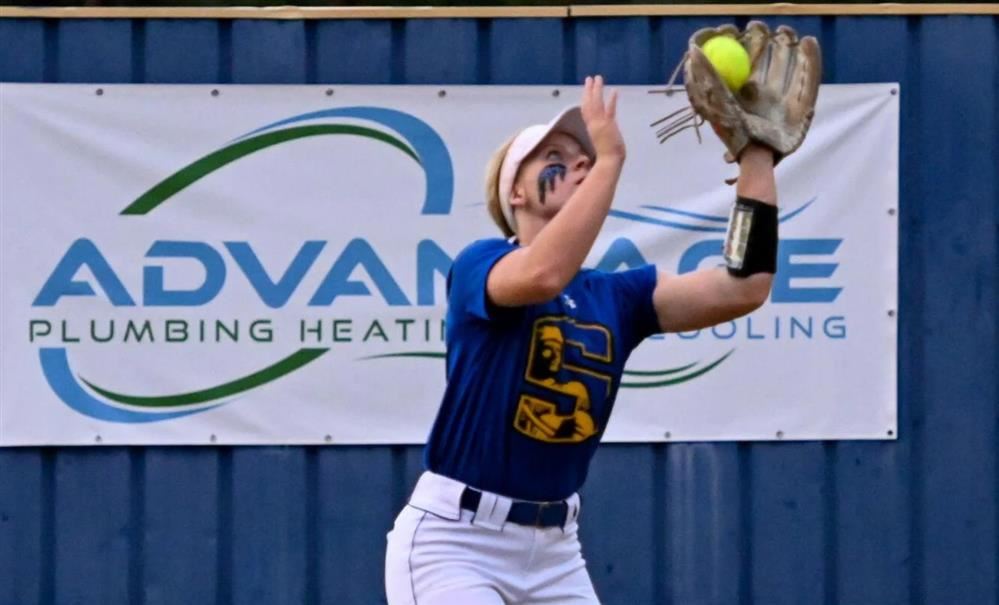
{"points": [[601, 119]]}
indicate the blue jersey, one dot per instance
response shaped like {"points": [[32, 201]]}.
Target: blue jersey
{"points": [[530, 389]]}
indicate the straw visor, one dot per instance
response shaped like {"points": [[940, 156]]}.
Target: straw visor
{"points": [[570, 121]]}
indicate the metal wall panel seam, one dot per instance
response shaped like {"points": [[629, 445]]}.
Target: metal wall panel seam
{"points": [[48, 535], [912, 291], [136, 580]]}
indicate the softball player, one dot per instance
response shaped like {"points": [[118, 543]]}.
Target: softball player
{"points": [[536, 346]]}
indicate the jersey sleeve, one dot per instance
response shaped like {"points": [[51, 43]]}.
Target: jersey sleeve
{"points": [[633, 292], [466, 281]]}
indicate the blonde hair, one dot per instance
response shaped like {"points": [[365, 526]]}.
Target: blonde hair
{"points": [[492, 187]]}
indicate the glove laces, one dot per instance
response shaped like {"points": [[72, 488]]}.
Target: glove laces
{"points": [[679, 120]]}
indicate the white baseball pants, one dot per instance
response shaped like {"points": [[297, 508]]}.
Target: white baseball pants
{"points": [[439, 554]]}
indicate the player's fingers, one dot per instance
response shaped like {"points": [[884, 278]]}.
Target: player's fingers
{"points": [[587, 95], [612, 105], [598, 94]]}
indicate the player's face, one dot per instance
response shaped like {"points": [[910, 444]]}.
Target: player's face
{"points": [[550, 175]]}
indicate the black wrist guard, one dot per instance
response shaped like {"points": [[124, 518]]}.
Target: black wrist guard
{"points": [[751, 241]]}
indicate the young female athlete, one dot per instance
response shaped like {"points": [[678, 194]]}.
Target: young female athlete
{"points": [[536, 346]]}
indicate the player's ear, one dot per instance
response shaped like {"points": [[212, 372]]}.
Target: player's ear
{"points": [[518, 197]]}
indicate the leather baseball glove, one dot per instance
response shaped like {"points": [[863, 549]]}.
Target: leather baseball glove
{"points": [[776, 105]]}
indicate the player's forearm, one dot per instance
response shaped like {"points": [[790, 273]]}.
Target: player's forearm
{"points": [[756, 175], [562, 245], [758, 182]]}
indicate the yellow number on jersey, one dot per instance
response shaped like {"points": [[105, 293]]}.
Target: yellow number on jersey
{"points": [[539, 418]]}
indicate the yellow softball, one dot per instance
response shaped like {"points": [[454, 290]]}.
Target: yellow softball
{"points": [[729, 59]]}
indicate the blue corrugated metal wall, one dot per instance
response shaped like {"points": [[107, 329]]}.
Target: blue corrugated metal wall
{"points": [[860, 523]]}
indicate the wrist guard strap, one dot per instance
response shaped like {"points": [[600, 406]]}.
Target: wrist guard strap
{"points": [[751, 241]]}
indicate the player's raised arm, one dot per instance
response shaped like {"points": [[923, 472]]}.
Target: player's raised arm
{"points": [[760, 120], [554, 240]]}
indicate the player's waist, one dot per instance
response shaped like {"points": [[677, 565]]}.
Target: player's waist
{"points": [[446, 497]]}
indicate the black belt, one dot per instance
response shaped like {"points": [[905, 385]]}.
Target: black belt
{"points": [[536, 514]]}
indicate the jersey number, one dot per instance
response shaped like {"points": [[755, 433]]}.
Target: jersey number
{"points": [[542, 417]]}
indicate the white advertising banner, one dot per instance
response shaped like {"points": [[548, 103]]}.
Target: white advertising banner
{"points": [[266, 264]]}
